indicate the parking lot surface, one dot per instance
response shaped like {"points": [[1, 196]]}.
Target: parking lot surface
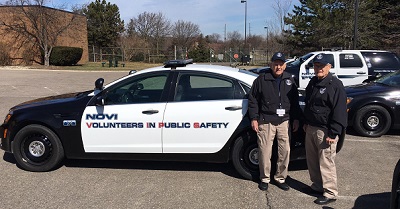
{"points": [[365, 168]]}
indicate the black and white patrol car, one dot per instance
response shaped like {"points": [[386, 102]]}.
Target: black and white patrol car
{"points": [[180, 111]]}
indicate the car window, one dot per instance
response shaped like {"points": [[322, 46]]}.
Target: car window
{"points": [[140, 90], [205, 87], [381, 60], [392, 79], [349, 60]]}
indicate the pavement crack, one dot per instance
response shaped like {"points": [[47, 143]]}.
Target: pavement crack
{"points": [[268, 200]]}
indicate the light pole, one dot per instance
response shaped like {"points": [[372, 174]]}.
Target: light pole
{"points": [[266, 27], [245, 21]]}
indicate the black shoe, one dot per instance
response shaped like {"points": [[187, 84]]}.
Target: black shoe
{"points": [[323, 200], [310, 191], [282, 186], [263, 186]]}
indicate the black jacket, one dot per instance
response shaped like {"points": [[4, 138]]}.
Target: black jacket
{"points": [[326, 105], [265, 98]]}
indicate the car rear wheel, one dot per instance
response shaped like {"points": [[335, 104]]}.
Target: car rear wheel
{"points": [[395, 194], [37, 148], [372, 121], [245, 156]]}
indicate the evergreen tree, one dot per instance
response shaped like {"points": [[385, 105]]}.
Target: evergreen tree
{"points": [[104, 23]]}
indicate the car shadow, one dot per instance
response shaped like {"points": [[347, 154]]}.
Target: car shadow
{"points": [[225, 168], [391, 132], [371, 201]]}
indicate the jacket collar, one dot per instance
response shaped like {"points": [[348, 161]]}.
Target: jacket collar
{"points": [[268, 75], [325, 81]]}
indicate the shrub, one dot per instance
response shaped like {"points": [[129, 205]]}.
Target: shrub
{"points": [[65, 56], [5, 58]]}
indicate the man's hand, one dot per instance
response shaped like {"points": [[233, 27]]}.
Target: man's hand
{"points": [[330, 141], [254, 125], [305, 127], [295, 125]]}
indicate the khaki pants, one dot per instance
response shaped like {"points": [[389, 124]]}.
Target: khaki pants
{"points": [[321, 161], [265, 141]]}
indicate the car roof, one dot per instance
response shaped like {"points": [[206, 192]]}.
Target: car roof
{"points": [[236, 73]]}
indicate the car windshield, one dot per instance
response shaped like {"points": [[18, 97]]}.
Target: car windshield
{"points": [[299, 60], [391, 79]]}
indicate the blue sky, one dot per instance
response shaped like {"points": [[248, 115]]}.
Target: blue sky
{"points": [[211, 15]]}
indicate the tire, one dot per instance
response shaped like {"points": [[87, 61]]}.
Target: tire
{"points": [[37, 148], [372, 121], [245, 156], [395, 194]]}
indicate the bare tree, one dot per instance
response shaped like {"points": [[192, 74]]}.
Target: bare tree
{"points": [[185, 33], [214, 38], [32, 22], [152, 27], [235, 39], [281, 9]]}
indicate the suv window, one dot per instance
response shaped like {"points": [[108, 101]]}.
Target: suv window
{"points": [[204, 87], [381, 60], [350, 60]]}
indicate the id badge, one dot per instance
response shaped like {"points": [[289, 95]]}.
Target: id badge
{"points": [[280, 112]]}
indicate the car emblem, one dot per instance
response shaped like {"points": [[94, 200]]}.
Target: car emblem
{"points": [[322, 90], [288, 82], [69, 123]]}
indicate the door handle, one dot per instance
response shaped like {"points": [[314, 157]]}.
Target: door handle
{"points": [[361, 72], [149, 112], [233, 108]]}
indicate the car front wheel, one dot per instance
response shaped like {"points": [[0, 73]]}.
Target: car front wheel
{"points": [[372, 121], [37, 148], [245, 156]]}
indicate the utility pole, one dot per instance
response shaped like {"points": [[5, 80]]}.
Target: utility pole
{"points": [[355, 36]]}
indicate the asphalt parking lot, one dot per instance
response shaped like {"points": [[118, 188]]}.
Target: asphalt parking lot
{"points": [[365, 168]]}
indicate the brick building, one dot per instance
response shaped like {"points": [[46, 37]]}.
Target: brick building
{"points": [[63, 29]]}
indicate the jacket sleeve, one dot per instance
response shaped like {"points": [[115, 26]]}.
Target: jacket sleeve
{"points": [[295, 110], [338, 115], [254, 97]]}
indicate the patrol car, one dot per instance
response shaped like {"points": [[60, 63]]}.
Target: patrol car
{"points": [[374, 107], [350, 66], [177, 112]]}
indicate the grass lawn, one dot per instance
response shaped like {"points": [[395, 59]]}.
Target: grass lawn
{"points": [[98, 66]]}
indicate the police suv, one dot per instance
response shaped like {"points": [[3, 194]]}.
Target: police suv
{"points": [[350, 66], [180, 111]]}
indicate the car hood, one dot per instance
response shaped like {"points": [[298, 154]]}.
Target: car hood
{"points": [[62, 98], [367, 88]]}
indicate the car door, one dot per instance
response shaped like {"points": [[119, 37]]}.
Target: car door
{"points": [[124, 123], [352, 68], [206, 110]]}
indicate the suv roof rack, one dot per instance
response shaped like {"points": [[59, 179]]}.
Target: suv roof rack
{"points": [[332, 49], [173, 64]]}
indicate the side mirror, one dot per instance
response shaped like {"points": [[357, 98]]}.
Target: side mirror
{"points": [[310, 65], [98, 85], [99, 101], [132, 72]]}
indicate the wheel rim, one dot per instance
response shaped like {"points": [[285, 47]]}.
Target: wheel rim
{"points": [[373, 121], [36, 148], [249, 158], [253, 156]]}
